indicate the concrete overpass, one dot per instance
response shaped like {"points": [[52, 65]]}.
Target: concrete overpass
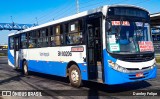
{"points": [[155, 23], [155, 29], [155, 19]]}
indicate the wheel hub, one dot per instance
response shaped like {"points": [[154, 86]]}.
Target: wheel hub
{"points": [[74, 76], [25, 68]]}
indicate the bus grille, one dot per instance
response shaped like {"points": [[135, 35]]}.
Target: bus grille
{"points": [[137, 58], [134, 69]]}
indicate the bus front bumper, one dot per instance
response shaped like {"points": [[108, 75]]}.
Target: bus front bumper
{"points": [[113, 77]]}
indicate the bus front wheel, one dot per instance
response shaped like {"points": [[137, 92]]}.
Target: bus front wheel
{"points": [[75, 76], [25, 68]]}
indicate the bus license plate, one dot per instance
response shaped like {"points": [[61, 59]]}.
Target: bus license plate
{"points": [[139, 75]]}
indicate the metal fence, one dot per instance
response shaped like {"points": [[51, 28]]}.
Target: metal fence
{"points": [[156, 47]]}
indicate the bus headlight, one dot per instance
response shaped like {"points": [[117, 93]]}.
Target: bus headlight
{"points": [[117, 67], [154, 65]]}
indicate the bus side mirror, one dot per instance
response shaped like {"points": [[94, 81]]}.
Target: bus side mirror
{"points": [[108, 26]]}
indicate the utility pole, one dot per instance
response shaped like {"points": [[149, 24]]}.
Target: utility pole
{"points": [[12, 21], [36, 21], [77, 5]]}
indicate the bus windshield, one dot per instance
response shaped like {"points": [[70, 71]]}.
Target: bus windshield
{"points": [[126, 36]]}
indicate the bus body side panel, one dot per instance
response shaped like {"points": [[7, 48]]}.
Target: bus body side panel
{"points": [[54, 60], [115, 77], [11, 57], [47, 67], [54, 68]]}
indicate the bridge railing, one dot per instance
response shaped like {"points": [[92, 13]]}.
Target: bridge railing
{"points": [[15, 26]]}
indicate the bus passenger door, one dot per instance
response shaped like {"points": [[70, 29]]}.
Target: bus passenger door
{"points": [[94, 49], [16, 52]]}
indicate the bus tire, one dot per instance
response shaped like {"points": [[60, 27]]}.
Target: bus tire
{"points": [[25, 68], [75, 76]]}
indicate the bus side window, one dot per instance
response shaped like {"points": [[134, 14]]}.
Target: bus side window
{"points": [[38, 39], [43, 36], [45, 39], [11, 43], [59, 35], [23, 41], [56, 37], [74, 34], [52, 39], [32, 39]]}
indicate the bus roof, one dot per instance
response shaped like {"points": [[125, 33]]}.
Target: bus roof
{"points": [[99, 9]]}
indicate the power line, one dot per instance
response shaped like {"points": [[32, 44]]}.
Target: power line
{"points": [[64, 11], [64, 14], [61, 12], [49, 13], [58, 11], [92, 4], [103, 3], [81, 3]]}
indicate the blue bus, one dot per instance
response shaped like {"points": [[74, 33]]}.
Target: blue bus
{"points": [[110, 45]]}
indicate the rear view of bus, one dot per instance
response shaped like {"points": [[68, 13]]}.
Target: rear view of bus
{"points": [[129, 53]]}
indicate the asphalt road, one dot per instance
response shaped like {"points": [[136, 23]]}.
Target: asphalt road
{"points": [[54, 87]]}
